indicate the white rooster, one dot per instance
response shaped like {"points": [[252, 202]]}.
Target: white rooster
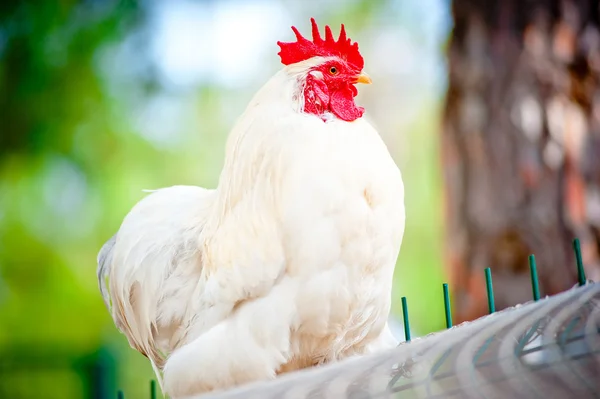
{"points": [[288, 263]]}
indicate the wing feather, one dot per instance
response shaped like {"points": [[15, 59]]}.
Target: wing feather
{"points": [[152, 266]]}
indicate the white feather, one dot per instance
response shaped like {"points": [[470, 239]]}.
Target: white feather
{"points": [[287, 264]]}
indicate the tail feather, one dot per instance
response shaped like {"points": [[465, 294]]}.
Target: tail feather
{"points": [[104, 265], [147, 271]]}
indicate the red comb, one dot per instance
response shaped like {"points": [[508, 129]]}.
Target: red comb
{"points": [[303, 49]]}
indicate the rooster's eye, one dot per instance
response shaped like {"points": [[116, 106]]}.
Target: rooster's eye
{"points": [[333, 70]]}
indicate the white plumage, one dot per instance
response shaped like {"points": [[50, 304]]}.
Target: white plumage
{"points": [[287, 264]]}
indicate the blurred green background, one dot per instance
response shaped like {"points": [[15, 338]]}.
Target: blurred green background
{"points": [[102, 99]]}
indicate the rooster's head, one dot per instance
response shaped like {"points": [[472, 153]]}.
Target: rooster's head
{"points": [[331, 69]]}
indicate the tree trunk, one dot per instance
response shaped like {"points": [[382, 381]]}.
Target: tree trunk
{"points": [[521, 147]]}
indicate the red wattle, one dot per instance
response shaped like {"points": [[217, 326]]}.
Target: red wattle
{"points": [[342, 105]]}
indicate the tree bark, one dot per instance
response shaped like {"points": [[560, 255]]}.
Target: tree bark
{"points": [[521, 147]]}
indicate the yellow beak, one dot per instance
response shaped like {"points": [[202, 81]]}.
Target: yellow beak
{"points": [[363, 78]]}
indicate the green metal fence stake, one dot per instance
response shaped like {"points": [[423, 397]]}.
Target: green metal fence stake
{"points": [[447, 306], [490, 290], [152, 389], [580, 269], [120, 395], [405, 317], [535, 285]]}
